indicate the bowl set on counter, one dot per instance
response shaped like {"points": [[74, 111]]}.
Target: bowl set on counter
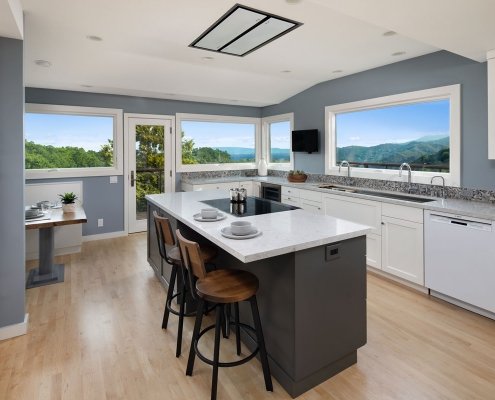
{"points": [[236, 230]]}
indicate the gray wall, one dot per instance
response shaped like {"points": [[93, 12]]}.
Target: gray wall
{"points": [[102, 199], [12, 261], [433, 70]]}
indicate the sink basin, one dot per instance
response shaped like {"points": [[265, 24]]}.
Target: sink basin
{"points": [[396, 196]]}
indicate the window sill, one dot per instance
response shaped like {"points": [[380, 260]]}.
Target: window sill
{"points": [[214, 167], [71, 173]]}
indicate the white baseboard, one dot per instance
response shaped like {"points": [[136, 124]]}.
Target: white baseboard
{"points": [[58, 252], [394, 278], [11, 331], [100, 236], [462, 304]]}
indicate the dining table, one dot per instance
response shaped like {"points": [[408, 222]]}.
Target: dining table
{"points": [[48, 272]]}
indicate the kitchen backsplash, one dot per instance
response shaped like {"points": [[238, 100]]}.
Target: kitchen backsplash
{"points": [[376, 184]]}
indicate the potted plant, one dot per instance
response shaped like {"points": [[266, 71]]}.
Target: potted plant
{"points": [[297, 176], [68, 200]]}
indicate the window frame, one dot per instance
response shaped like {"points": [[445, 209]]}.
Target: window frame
{"points": [[118, 142], [451, 92], [215, 118], [266, 148]]}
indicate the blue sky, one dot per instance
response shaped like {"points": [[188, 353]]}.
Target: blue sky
{"points": [[68, 130], [280, 135], [219, 134], [396, 124]]}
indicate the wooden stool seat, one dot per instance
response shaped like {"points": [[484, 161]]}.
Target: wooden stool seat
{"points": [[227, 286]]}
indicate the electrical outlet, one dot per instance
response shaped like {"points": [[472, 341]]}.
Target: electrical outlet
{"points": [[114, 179], [100, 222]]}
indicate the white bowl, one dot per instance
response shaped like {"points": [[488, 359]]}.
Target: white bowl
{"points": [[209, 213], [32, 212], [241, 228]]}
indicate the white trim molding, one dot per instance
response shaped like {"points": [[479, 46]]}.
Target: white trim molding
{"points": [[101, 236], [118, 142], [10, 331], [490, 56], [215, 118], [452, 92], [265, 142]]}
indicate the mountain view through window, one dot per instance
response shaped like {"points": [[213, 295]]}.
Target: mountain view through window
{"points": [[383, 138]]}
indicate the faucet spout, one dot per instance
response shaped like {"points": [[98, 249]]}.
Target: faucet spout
{"points": [[408, 167], [345, 163]]}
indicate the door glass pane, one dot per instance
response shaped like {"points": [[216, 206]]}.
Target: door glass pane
{"points": [[150, 162]]}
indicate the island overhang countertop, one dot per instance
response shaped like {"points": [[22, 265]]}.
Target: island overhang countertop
{"points": [[282, 232]]}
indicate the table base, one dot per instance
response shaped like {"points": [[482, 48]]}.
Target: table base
{"points": [[55, 276]]}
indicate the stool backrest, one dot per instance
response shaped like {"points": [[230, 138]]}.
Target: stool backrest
{"points": [[191, 256], [164, 234]]}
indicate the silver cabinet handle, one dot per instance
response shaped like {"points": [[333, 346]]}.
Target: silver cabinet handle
{"points": [[132, 179]]}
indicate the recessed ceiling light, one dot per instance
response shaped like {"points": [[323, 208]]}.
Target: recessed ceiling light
{"points": [[94, 38], [242, 30], [286, 71], [208, 58], [389, 33], [87, 86], [169, 94], [337, 71], [292, 2], [398, 53], [43, 63], [234, 101]]}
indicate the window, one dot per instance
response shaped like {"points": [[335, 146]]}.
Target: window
{"points": [[63, 141], [376, 136], [277, 132], [209, 142]]}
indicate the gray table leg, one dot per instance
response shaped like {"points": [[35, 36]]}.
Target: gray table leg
{"points": [[47, 273]]}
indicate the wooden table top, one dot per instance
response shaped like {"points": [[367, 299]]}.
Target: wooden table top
{"points": [[58, 218]]}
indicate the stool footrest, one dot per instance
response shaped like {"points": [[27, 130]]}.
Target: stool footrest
{"points": [[244, 360]]}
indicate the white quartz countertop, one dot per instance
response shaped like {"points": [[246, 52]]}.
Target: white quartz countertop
{"points": [[282, 232], [467, 208]]}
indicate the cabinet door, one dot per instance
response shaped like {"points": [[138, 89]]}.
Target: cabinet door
{"points": [[311, 206], [257, 189], [248, 185], [402, 249], [374, 250], [154, 258], [216, 186], [364, 212], [292, 201]]}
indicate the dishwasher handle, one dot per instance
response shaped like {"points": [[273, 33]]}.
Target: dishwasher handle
{"points": [[461, 222]]}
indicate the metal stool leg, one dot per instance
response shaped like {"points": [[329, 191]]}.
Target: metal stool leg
{"points": [[170, 293], [261, 344], [227, 319], [181, 319], [237, 329], [197, 328], [216, 352]]}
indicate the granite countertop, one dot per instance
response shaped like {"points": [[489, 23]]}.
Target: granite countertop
{"points": [[466, 208], [283, 232]]}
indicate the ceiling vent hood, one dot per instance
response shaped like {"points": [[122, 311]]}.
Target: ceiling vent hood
{"points": [[242, 30]]}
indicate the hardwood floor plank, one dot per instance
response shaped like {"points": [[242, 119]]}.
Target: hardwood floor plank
{"points": [[98, 336]]}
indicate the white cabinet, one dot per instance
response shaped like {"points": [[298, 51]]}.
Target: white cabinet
{"points": [[291, 200], [402, 249], [256, 189], [187, 187], [491, 103], [248, 185], [308, 200], [374, 250], [311, 206]]}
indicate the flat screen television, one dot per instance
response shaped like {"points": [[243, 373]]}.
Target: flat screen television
{"points": [[305, 140]]}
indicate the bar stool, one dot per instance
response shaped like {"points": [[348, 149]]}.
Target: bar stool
{"points": [[223, 287], [165, 236]]}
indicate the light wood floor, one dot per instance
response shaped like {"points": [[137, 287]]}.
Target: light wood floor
{"points": [[98, 336]]}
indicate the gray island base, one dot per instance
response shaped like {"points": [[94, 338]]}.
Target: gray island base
{"points": [[312, 302]]}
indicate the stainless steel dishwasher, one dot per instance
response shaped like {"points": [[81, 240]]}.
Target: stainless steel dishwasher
{"points": [[460, 258]]}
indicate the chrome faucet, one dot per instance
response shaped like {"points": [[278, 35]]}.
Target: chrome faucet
{"points": [[406, 165], [443, 183], [348, 167]]}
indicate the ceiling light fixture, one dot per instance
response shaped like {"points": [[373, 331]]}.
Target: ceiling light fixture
{"points": [[94, 38], [398, 53], [389, 33], [242, 30], [286, 71], [207, 58], [337, 71], [292, 2], [87, 86], [43, 63]]}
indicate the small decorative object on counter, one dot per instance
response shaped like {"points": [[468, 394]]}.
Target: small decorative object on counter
{"points": [[297, 176], [262, 167], [68, 201]]}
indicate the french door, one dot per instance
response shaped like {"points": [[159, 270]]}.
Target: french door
{"points": [[150, 167]]}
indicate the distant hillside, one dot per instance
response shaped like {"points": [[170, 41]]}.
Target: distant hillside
{"points": [[239, 153], [423, 150]]}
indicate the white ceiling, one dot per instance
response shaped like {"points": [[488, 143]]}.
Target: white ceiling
{"points": [[145, 49]]}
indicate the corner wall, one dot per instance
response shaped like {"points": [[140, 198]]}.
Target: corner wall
{"points": [[12, 240]]}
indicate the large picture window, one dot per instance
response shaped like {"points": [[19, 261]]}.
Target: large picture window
{"points": [[376, 136], [207, 142], [277, 132], [62, 141]]}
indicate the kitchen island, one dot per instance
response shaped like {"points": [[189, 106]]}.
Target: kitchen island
{"points": [[312, 273]]}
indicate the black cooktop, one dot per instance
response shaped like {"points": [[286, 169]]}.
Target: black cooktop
{"points": [[252, 206]]}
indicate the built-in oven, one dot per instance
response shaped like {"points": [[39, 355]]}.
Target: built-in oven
{"points": [[271, 191]]}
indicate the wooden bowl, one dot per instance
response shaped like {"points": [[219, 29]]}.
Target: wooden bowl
{"points": [[297, 178]]}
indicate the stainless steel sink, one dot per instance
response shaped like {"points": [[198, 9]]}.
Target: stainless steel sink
{"points": [[388, 195]]}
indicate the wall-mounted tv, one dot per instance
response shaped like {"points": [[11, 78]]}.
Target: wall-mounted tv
{"points": [[305, 140]]}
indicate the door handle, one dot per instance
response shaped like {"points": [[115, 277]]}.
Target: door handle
{"points": [[132, 179]]}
